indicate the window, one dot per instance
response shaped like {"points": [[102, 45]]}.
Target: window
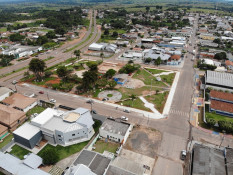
{"points": [[59, 135], [73, 134]]}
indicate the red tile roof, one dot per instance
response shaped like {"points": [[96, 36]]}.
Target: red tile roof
{"points": [[229, 63], [222, 106], [175, 57], [221, 95]]}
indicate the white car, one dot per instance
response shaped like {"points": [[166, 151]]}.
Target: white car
{"points": [[52, 100], [124, 118]]}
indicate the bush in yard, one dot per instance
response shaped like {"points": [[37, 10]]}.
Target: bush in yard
{"points": [[226, 126], [48, 73], [49, 156], [210, 122]]}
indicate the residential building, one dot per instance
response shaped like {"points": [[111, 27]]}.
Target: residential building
{"points": [[3, 131], [174, 60], [229, 64], [4, 93], [20, 102], [221, 103], [218, 80], [89, 161], [103, 47], [11, 117], [29, 166], [114, 130], [57, 127]]}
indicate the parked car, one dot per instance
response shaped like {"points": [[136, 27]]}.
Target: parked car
{"points": [[124, 118], [93, 112], [52, 100], [183, 154], [126, 110], [41, 92], [105, 99], [14, 81], [89, 101]]}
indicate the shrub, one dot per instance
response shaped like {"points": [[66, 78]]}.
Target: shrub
{"points": [[50, 157], [210, 122]]}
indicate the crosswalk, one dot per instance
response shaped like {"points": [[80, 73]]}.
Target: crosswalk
{"points": [[178, 112]]}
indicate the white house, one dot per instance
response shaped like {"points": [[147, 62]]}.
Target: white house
{"points": [[4, 93], [114, 130]]}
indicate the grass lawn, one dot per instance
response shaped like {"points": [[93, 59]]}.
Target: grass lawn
{"points": [[101, 146], [155, 71], [109, 95], [44, 81], [139, 91], [218, 117], [137, 103], [147, 78], [168, 78], [19, 151], [36, 109], [6, 140], [64, 152], [159, 100], [3, 29], [119, 31]]}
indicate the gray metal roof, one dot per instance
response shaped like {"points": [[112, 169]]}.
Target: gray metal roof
{"points": [[33, 161], [115, 127], [112, 170], [14, 165], [219, 78], [95, 161], [208, 161], [80, 170], [4, 90]]}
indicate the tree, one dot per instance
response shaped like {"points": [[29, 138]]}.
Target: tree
{"points": [[158, 61], [148, 60], [101, 83], [93, 67], [41, 40], [102, 56], [51, 34], [77, 53], [106, 32], [89, 79], [210, 121], [220, 56], [48, 73], [112, 84], [26, 74], [115, 34], [63, 72], [217, 40], [49, 156], [147, 9], [110, 73], [133, 97], [37, 66], [16, 37]]}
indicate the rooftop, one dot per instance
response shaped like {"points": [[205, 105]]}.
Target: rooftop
{"points": [[71, 117], [4, 90], [115, 127], [2, 129], [221, 95], [207, 161], [95, 161], [222, 106], [9, 115], [20, 101], [14, 165], [219, 78], [33, 161], [27, 131]]}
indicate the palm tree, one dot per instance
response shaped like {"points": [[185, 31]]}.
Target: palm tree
{"points": [[133, 97], [77, 53]]}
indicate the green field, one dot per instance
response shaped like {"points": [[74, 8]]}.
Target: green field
{"points": [[156, 71], [137, 103], [19, 151], [218, 117], [36, 109], [3, 29], [168, 78]]}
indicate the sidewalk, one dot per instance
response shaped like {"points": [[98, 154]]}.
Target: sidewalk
{"points": [[171, 95]]}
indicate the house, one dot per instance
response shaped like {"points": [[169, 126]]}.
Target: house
{"points": [[132, 55], [218, 80], [3, 131], [229, 64], [57, 127], [155, 54], [174, 60], [11, 117], [89, 161], [221, 103], [10, 164], [20, 102], [4, 93], [114, 130]]}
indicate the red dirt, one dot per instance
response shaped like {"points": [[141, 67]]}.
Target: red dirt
{"points": [[56, 81]]}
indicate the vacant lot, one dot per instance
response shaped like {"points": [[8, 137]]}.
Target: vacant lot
{"points": [[144, 141], [101, 146]]}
